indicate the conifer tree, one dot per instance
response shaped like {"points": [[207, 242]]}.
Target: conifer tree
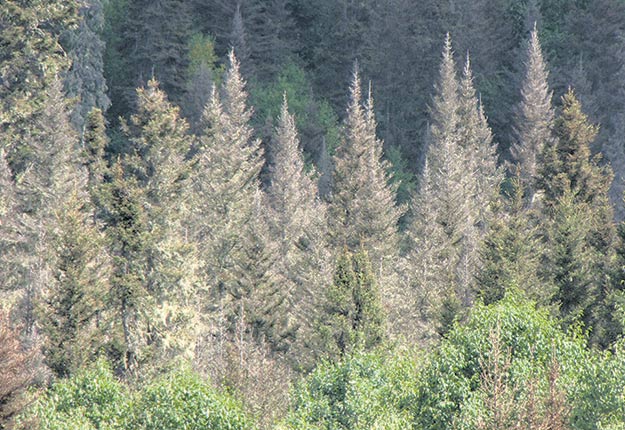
{"points": [[156, 42], [353, 318], [85, 79], [571, 261], [229, 221], [72, 311], [362, 211], [154, 266], [125, 221], [581, 230], [73, 302], [533, 129], [298, 219], [511, 253], [480, 152], [451, 185], [569, 164], [477, 140], [53, 172], [426, 263], [30, 63]]}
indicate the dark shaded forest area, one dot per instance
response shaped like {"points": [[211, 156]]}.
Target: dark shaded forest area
{"points": [[312, 214]]}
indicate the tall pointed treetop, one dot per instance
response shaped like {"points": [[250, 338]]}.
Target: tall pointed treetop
{"points": [[445, 103], [534, 117], [235, 101], [363, 209]]}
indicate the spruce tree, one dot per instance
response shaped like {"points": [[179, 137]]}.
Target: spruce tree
{"points": [[571, 262], [53, 172], [229, 222], [581, 231], [533, 129], [426, 263], [73, 302], [298, 220], [85, 79], [362, 211], [511, 253], [353, 318], [125, 222], [30, 63], [153, 263], [477, 140], [451, 183]]}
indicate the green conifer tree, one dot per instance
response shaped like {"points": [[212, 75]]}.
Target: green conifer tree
{"points": [[581, 234], [353, 318], [155, 265], [73, 302], [511, 253], [30, 62], [125, 221]]}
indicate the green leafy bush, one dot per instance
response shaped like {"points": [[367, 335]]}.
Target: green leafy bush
{"points": [[182, 401], [95, 399], [363, 391]]}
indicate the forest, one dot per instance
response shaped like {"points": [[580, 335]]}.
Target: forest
{"points": [[312, 214]]}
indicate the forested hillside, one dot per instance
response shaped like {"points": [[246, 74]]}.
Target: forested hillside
{"points": [[312, 214]]}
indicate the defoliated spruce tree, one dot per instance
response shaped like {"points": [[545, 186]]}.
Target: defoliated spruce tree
{"points": [[451, 188], [477, 139], [352, 318], [297, 221], [426, 262], [53, 171], [73, 302], [362, 211], [229, 221], [533, 128], [85, 78]]}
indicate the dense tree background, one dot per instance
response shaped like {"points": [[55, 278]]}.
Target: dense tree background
{"points": [[318, 214]]}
